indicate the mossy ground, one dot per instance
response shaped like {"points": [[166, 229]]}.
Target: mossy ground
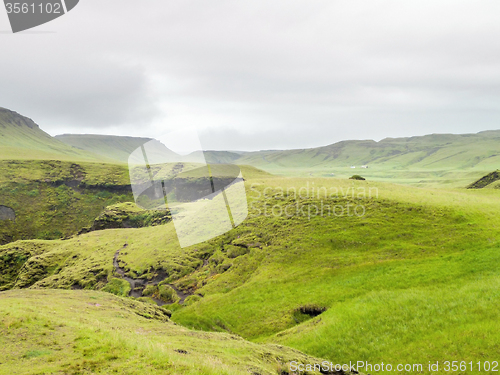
{"points": [[129, 215]]}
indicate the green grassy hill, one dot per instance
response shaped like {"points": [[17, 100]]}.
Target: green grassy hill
{"points": [[434, 151], [83, 332], [413, 279], [113, 147], [21, 138]]}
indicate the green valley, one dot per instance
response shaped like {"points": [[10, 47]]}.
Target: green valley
{"points": [[322, 269], [250, 188]]}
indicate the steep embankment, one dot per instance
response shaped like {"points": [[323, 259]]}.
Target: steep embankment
{"points": [[54, 199]]}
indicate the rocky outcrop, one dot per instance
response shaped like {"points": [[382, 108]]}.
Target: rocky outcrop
{"points": [[7, 213], [485, 181]]}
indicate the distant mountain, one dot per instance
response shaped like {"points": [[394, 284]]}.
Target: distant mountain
{"points": [[479, 151], [120, 147], [218, 157], [22, 138], [114, 147]]}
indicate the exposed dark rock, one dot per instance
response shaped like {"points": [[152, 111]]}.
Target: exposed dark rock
{"points": [[7, 213], [151, 288], [485, 181]]}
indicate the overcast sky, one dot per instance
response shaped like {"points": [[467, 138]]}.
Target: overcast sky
{"points": [[259, 74]]}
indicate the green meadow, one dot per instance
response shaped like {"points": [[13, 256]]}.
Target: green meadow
{"points": [[414, 279], [338, 269]]}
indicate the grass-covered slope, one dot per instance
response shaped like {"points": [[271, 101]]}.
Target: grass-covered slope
{"points": [[21, 138], [53, 199], [435, 151], [414, 279], [113, 147], [82, 332]]}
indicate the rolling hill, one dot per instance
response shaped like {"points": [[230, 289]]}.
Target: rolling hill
{"points": [[430, 159], [22, 138], [113, 147], [119, 148], [414, 278], [432, 152]]}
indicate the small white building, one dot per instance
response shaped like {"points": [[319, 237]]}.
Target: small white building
{"points": [[364, 166]]}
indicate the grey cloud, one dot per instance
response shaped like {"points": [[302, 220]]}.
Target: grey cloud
{"points": [[280, 74], [82, 95]]}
